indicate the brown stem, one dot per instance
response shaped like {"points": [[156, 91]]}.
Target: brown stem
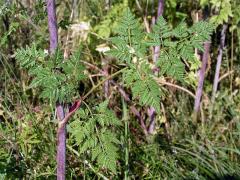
{"points": [[140, 119], [52, 25], [219, 61], [105, 67], [201, 77], [225, 75], [61, 134], [133, 108], [151, 114], [121, 91], [151, 110], [162, 82], [159, 13], [61, 145], [72, 110], [160, 8]]}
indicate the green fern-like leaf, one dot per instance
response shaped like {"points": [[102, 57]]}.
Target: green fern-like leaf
{"points": [[177, 44], [180, 31], [171, 65], [129, 41], [143, 86], [200, 32], [176, 47], [93, 134], [29, 56], [56, 79], [130, 47]]}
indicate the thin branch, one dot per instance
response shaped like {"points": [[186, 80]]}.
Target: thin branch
{"points": [[146, 24], [102, 82], [166, 123], [72, 110], [132, 108], [156, 51], [151, 114], [225, 75], [176, 86], [66, 53], [140, 119], [201, 76], [121, 90], [159, 13], [139, 6], [105, 66], [97, 75], [92, 66], [219, 61]]}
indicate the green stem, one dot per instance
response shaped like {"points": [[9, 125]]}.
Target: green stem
{"points": [[126, 139]]}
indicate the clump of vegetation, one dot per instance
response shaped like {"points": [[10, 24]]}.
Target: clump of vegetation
{"points": [[122, 105]]}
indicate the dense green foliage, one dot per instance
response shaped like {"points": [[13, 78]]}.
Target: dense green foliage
{"points": [[131, 47], [93, 132], [105, 56], [57, 78]]}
